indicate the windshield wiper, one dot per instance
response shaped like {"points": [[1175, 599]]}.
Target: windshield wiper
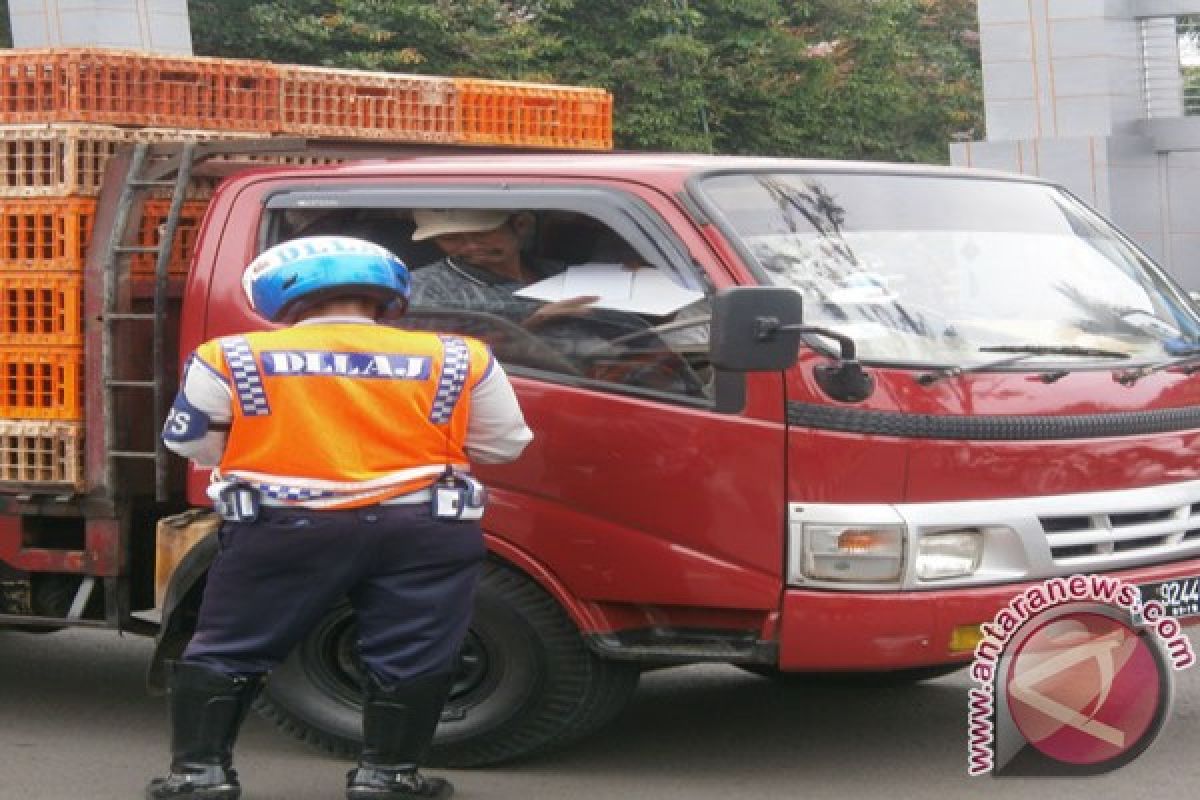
{"points": [[1023, 352], [1188, 361], [1053, 350]]}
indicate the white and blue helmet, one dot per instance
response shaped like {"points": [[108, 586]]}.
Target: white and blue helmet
{"points": [[295, 274]]}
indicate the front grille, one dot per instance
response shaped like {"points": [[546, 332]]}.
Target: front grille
{"points": [[1150, 531]]}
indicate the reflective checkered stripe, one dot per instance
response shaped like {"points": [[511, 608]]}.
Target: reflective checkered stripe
{"points": [[247, 381], [456, 366], [291, 494]]}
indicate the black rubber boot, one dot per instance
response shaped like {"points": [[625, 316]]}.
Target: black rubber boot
{"points": [[207, 709], [398, 725]]}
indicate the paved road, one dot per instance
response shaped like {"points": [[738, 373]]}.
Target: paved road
{"points": [[75, 722]]}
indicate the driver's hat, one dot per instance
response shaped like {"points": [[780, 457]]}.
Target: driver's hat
{"points": [[433, 222]]}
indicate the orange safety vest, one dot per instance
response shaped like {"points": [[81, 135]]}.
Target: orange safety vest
{"points": [[338, 415]]}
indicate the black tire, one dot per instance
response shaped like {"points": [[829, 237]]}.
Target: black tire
{"points": [[881, 680], [53, 595], [527, 684]]}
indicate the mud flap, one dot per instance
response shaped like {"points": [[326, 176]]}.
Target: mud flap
{"points": [[185, 546]]}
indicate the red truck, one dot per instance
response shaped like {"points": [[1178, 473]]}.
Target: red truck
{"points": [[828, 417]]}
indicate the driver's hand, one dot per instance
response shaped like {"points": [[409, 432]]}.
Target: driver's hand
{"points": [[561, 308]]}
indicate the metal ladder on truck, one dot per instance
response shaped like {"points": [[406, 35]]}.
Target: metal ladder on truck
{"points": [[141, 175]]}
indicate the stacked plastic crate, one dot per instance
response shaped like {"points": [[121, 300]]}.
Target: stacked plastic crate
{"points": [[64, 113], [435, 110], [533, 115]]}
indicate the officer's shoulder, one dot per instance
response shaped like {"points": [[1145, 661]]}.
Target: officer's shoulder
{"points": [[217, 344], [257, 337]]}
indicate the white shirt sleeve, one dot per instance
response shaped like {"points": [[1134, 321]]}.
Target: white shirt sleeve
{"points": [[205, 394], [496, 429]]}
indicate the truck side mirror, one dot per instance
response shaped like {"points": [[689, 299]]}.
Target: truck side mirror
{"points": [[759, 329], [748, 332]]}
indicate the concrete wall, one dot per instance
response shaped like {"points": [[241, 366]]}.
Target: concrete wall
{"points": [[1086, 93], [1058, 68], [150, 25]]}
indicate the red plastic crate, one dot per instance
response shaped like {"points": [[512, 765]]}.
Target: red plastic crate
{"points": [[69, 159], [45, 234], [40, 309], [530, 114], [352, 104], [127, 88], [41, 383], [41, 452]]}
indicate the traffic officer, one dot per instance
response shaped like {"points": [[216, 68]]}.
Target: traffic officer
{"points": [[342, 451]]}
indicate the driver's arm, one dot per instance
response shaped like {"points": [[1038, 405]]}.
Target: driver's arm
{"points": [[571, 306]]}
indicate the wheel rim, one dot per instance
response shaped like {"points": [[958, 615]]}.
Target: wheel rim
{"points": [[330, 660], [341, 673], [473, 667]]}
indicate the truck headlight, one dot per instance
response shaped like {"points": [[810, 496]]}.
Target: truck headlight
{"points": [[949, 554], [854, 553]]}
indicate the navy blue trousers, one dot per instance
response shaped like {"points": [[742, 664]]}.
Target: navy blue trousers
{"points": [[409, 577]]}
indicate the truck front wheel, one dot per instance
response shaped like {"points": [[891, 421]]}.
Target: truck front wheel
{"points": [[526, 682]]}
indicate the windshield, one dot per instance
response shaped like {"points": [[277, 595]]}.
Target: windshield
{"points": [[943, 270]]}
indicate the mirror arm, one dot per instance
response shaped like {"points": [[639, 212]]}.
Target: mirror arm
{"points": [[765, 329], [846, 381]]}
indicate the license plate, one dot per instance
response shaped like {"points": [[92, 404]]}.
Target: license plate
{"points": [[1180, 596]]}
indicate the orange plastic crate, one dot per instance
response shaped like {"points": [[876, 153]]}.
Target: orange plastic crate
{"points": [[52, 235], [40, 309], [41, 452], [126, 88], [153, 222], [69, 159], [41, 383], [507, 113], [353, 104], [45, 234]]}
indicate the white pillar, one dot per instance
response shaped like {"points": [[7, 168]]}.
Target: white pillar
{"points": [[159, 26]]}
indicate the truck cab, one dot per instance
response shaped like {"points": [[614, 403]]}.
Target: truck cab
{"points": [[857, 409]]}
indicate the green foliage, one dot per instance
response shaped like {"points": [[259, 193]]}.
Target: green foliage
{"points": [[1188, 27], [907, 77], [483, 38], [889, 79]]}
